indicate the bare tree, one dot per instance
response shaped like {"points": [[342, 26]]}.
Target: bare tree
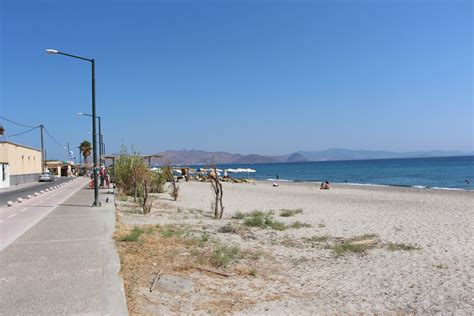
{"points": [[218, 192], [147, 200]]}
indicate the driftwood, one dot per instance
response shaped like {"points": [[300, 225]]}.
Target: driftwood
{"points": [[213, 271], [155, 280]]}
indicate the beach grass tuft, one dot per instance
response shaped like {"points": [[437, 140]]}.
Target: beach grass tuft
{"points": [[168, 232], [319, 238], [343, 248], [289, 212], [364, 237], [227, 229], [255, 221], [263, 220], [223, 255], [275, 225], [298, 225], [134, 234], [402, 246], [239, 215]]}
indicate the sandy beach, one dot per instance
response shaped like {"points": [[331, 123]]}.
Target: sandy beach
{"points": [[299, 271]]}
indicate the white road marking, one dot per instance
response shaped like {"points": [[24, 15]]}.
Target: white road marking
{"points": [[11, 215], [24, 210], [58, 240]]}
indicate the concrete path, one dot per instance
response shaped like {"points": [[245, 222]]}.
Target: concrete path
{"points": [[65, 264]]}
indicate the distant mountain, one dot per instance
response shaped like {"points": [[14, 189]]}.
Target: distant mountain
{"points": [[201, 157], [296, 157], [248, 159]]}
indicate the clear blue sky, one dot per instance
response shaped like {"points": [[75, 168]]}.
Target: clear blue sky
{"points": [[268, 77]]}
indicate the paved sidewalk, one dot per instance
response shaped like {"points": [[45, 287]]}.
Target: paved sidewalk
{"points": [[65, 264]]}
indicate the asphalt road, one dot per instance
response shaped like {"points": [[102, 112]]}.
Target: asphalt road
{"points": [[22, 191]]}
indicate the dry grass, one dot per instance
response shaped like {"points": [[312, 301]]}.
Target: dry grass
{"points": [[175, 250]]}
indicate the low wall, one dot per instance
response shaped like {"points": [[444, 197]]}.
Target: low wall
{"points": [[24, 178]]}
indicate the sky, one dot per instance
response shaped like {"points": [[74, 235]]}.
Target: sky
{"points": [[266, 77]]}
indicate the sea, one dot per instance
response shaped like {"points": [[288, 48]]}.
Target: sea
{"points": [[448, 173]]}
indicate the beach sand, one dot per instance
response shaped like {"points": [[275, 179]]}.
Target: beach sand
{"points": [[437, 277]]}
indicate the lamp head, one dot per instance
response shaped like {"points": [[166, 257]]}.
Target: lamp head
{"points": [[80, 113], [51, 51]]}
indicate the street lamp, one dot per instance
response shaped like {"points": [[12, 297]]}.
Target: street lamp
{"points": [[94, 138], [101, 137]]}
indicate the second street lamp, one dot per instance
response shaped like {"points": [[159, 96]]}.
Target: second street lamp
{"points": [[94, 138], [101, 138]]}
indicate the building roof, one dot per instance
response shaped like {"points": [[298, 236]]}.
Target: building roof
{"points": [[15, 144]]}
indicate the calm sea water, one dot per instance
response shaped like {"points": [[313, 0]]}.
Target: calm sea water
{"points": [[445, 172]]}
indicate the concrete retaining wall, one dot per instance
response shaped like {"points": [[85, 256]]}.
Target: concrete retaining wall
{"points": [[24, 178]]}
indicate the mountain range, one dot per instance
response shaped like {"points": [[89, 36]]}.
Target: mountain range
{"points": [[201, 157]]}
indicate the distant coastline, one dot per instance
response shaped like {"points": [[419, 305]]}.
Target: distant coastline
{"points": [[201, 157]]}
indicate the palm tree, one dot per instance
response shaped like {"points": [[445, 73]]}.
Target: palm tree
{"points": [[85, 148]]}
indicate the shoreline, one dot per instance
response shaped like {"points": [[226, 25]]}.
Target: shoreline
{"points": [[354, 185]]}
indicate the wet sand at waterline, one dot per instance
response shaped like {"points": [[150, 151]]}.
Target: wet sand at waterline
{"points": [[418, 256]]}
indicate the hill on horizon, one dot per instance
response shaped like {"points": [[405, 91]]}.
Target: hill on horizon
{"points": [[202, 157]]}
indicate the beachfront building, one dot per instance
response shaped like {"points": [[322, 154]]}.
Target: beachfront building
{"points": [[61, 168], [18, 164]]}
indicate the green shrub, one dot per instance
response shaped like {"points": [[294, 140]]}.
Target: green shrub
{"points": [[157, 183], [130, 171]]}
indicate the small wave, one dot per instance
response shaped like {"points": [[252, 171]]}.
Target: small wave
{"points": [[450, 189], [419, 186], [364, 184], [279, 180]]}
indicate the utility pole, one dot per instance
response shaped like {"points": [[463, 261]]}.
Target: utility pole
{"points": [[94, 131], [42, 149], [67, 151]]}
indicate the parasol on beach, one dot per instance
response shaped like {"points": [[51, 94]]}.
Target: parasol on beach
{"points": [[242, 170]]}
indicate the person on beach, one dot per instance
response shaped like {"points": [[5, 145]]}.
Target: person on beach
{"points": [[324, 186], [278, 177]]}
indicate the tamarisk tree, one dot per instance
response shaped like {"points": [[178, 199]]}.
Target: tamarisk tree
{"points": [[218, 192]]}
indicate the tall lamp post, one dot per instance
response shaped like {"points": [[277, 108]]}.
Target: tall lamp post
{"points": [[94, 138], [101, 137]]}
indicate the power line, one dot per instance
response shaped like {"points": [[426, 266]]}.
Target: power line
{"points": [[8, 120], [9, 136], [51, 136]]}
